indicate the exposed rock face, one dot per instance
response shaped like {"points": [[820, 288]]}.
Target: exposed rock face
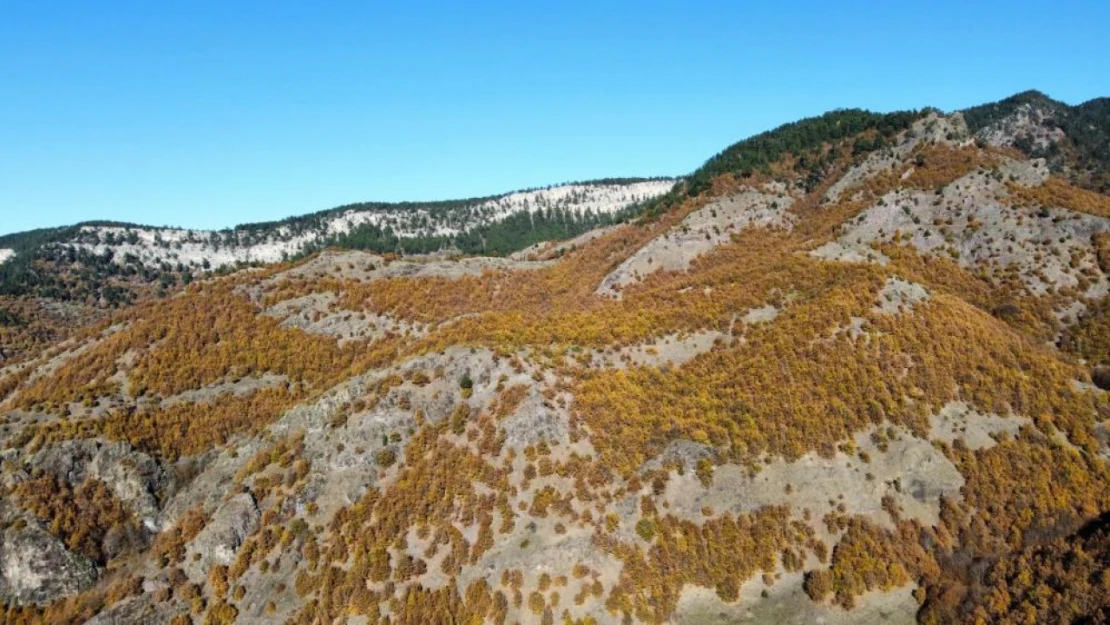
{"points": [[931, 128], [683, 452], [535, 420], [317, 313], [272, 243], [133, 477], [958, 421], [910, 470], [35, 568], [220, 539], [968, 222], [546, 250], [670, 350], [1027, 125], [899, 295], [358, 265], [701, 232], [140, 609], [849, 253], [237, 387]]}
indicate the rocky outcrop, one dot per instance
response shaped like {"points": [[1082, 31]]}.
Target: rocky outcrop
{"points": [[36, 568], [1029, 125], [974, 222], [535, 420], [134, 477], [701, 232], [221, 538], [899, 295]]}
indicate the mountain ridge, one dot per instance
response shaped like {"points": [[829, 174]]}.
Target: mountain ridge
{"points": [[464, 233], [861, 381]]}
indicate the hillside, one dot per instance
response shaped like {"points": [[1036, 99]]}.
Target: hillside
{"points": [[56, 279], [851, 370], [489, 225]]}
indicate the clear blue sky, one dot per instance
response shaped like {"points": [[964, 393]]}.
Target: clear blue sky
{"points": [[208, 114]]}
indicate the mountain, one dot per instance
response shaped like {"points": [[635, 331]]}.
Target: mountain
{"points": [[494, 225], [54, 279], [851, 370], [1074, 140]]}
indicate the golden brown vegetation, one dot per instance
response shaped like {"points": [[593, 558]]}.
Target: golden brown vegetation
{"points": [[870, 558], [1059, 194], [210, 334], [432, 492], [1066, 580], [1089, 338], [29, 325], [798, 384], [89, 519], [720, 554], [169, 546], [930, 166], [1101, 243], [77, 609], [817, 392], [1028, 490], [181, 429]]}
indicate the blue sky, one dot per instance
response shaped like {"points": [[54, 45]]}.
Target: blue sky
{"points": [[208, 114]]}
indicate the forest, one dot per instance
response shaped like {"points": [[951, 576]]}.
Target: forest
{"points": [[387, 475], [800, 139], [511, 234]]}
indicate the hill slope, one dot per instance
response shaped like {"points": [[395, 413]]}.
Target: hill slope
{"points": [[480, 225], [56, 279], [848, 371]]}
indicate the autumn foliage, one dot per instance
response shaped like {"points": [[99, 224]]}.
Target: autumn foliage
{"points": [[417, 541]]}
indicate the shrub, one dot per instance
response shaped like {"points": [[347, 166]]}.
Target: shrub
{"points": [[1101, 377], [385, 458]]}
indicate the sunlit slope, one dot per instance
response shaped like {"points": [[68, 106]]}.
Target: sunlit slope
{"points": [[844, 372]]}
